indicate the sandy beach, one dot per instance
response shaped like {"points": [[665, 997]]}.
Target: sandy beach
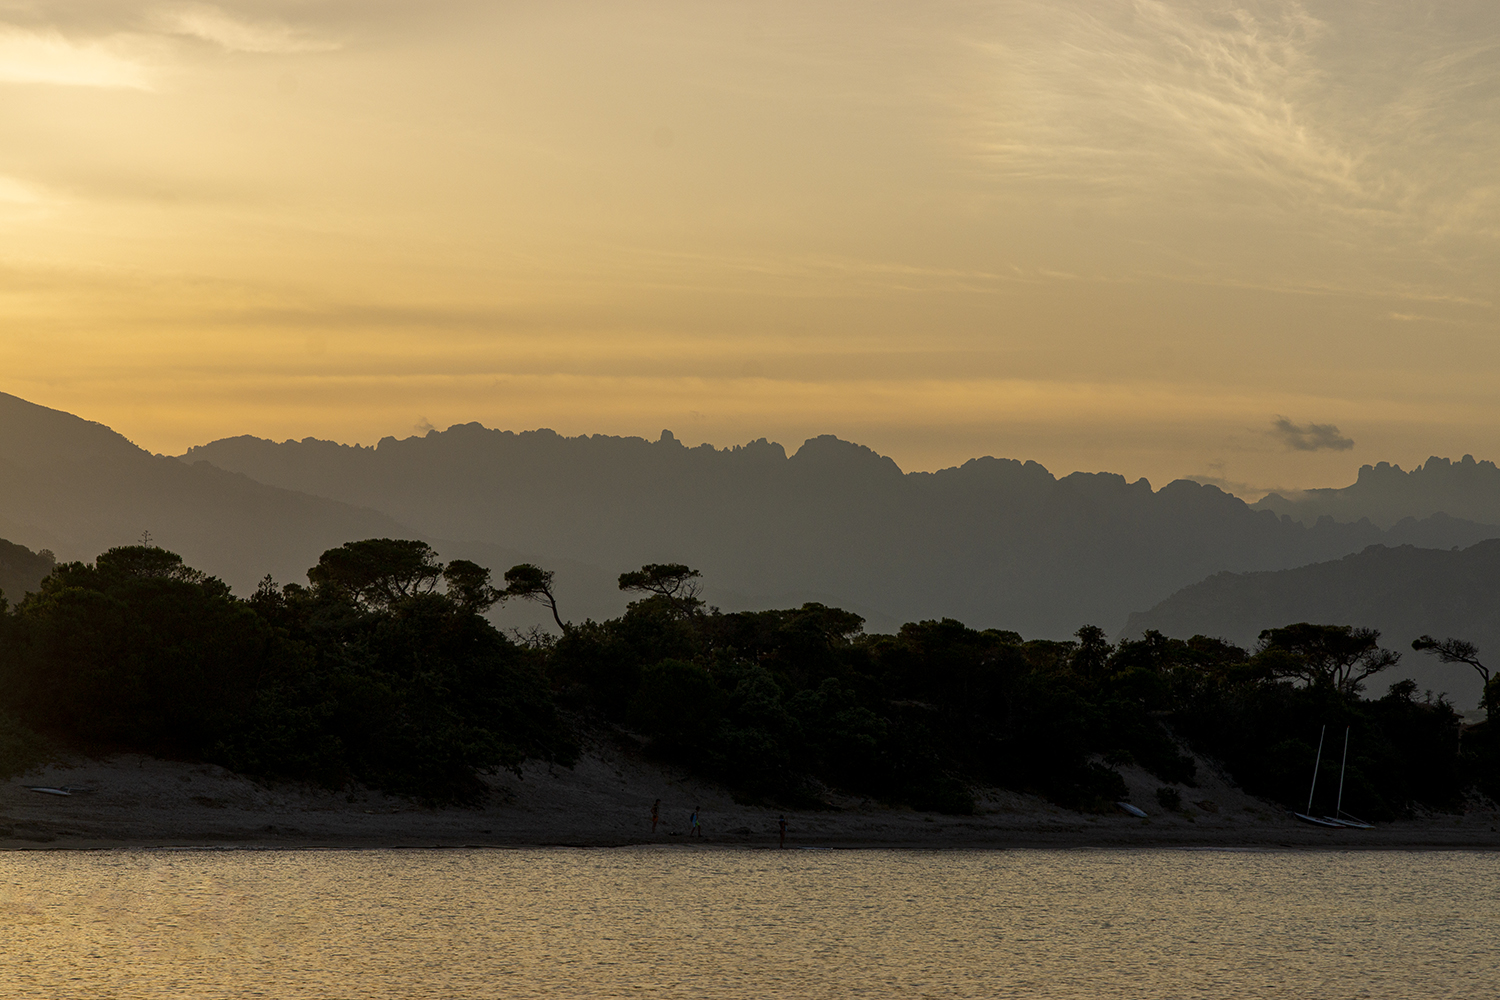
{"points": [[605, 800]]}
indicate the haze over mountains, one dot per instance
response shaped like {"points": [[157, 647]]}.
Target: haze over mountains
{"points": [[1404, 592], [21, 569], [994, 542], [1385, 494], [78, 488]]}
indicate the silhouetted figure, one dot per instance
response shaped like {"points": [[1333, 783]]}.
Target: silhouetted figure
{"points": [[694, 830], [781, 824], [655, 814]]}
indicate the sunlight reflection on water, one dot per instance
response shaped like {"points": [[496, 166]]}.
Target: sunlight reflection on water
{"points": [[724, 923]]}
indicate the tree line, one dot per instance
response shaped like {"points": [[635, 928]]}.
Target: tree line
{"points": [[384, 669]]}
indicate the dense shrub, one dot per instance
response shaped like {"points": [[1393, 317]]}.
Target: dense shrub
{"points": [[413, 692], [384, 670]]}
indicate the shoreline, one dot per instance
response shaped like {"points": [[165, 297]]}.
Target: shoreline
{"points": [[1400, 847], [604, 802]]}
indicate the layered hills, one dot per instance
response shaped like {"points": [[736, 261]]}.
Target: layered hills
{"points": [[1386, 494], [994, 542], [21, 569], [77, 488], [1404, 592]]}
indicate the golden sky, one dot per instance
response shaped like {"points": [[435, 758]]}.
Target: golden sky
{"points": [[1102, 235]]}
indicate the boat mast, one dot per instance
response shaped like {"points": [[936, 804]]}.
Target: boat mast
{"points": [[1339, 809], [1316, 764]]}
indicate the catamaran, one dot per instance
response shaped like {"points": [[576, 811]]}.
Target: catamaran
{"points": [[1339, 819]]}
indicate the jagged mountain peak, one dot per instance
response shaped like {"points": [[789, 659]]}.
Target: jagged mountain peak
{"points": [[1385, 493]]}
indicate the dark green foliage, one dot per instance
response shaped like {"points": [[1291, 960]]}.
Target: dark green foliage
{"points": [[1481, 756], [1462, 651], [371, 675], [768, 700], [1335, 656], [415, 695], [137, 650], [469, 587], [1403, 752], [678, 702], [377, 572], [532, 583], [673, 581], [374, 674], [21, 748]]}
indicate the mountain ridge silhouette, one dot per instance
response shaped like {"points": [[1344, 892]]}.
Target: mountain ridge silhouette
{"points": [[78, 488], [994, 542], [1385, 493]]}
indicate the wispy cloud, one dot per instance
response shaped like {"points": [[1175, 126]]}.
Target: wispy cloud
{"points": [[1191, 89], [1309, 437], [47, 57], [1369, 127], [240, 34]]}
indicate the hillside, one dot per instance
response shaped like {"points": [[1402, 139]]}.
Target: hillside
{"points": [[1404, 592], [1385, 494], [77, 488], [21, 569], [994, 542]]}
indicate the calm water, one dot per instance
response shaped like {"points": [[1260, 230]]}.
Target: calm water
{"points": [[685, 923]]}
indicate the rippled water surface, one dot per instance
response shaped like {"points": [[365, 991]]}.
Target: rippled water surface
{"points": [[719, 923]]}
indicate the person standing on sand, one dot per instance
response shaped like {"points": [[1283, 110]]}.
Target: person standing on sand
{"points": [[781, 824], [655, 815], [694, 830]]}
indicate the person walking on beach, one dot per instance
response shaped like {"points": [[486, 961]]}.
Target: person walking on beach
{"points": [[781, 824], [694, 830], [655, 815]]}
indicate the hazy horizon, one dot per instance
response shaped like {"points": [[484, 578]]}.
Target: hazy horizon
{"points": [[1243, 491]]}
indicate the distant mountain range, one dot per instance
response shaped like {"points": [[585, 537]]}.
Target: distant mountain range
{"points": [[1385, 494], [994, 542], [1404, 592]]}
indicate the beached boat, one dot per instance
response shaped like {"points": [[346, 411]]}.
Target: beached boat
{"points": [[1308, 817], [1339, 819]]}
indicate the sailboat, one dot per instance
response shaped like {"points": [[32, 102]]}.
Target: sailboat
{"points": [[1308, 817], [1339, 819], [1339, 816]]}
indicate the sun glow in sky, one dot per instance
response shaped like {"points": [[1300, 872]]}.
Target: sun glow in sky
{"points": [[1101, 235]]}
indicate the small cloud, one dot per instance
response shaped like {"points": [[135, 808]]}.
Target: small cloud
{"points": [[49, 57], [423, 426], [239, 35], [1309, 437]]}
